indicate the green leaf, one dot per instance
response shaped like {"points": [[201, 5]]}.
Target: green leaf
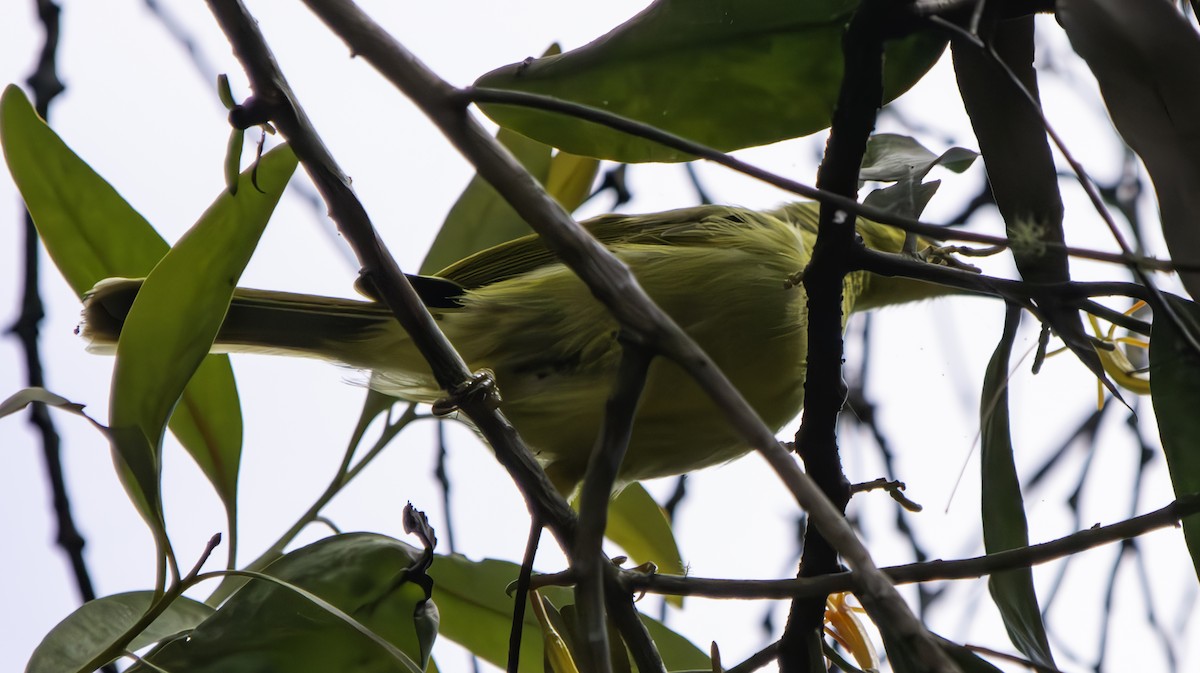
{"points": [[88, 631], [756, 72], [570, 179], [1004, 523], [481, 218], [1146, 58], [1175, 393], [177, 313], [269, 626], [639, 525], [91, 233], [477, 614]]}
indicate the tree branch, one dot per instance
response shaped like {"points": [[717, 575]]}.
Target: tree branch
{"points": [[928, 571]]}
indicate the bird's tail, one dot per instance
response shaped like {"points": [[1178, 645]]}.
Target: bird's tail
{"points": [[358, 334]]}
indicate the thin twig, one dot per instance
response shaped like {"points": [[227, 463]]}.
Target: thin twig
{"points": [[635, 128], [928, 571]]}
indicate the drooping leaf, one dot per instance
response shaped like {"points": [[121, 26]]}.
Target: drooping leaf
{"points": [[88, 631], [1175, 392], [267, 627], [756, 72], [27, 396], [1146, 58], [1021, 171], [91, 233], [1004, 523]]}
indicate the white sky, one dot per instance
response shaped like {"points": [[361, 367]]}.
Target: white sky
{"points": [[137, 110]]}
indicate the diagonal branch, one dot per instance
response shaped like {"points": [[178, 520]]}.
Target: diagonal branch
{"points": [[607, 278]]}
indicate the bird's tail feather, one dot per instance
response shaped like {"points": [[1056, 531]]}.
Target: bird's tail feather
{"points": [[355, 333]]}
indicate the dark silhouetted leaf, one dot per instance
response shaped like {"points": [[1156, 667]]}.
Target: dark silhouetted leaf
{"points": [[1175, 392], [1146, 58], [1004, 523]]}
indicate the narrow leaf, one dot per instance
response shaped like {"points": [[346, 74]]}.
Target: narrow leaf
{"points": [[91, 233], [177, 314], [1004, 523], [1175, 393], [757, 71]]}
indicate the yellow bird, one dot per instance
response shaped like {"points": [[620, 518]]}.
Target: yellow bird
{"points": [[722, 273]]}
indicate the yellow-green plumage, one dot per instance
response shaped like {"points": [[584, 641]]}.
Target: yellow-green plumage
{"points": [[721, 273]]}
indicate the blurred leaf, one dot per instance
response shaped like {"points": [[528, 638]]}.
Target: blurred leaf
{"points": [[1175, 393], [907, 198], [175, 318], [27, 396], [967, 660], [1146, 58], [570, 179], [91, 233], [268, 627], [729, 75], [1004, 523], [88, 631], [639, 525]]}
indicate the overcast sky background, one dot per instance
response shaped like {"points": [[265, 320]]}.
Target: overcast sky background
{"points": [[145, 117]]}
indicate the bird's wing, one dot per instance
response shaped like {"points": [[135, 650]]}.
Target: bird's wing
{"points": [[525, 254]]}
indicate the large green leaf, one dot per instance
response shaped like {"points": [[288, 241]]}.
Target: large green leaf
{"points": [[477, 614], [1004, 523], [1146, 57], [92, 233], [729, 75], [267, 627], [178, 311], [88, 631], [1175, 392]]}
